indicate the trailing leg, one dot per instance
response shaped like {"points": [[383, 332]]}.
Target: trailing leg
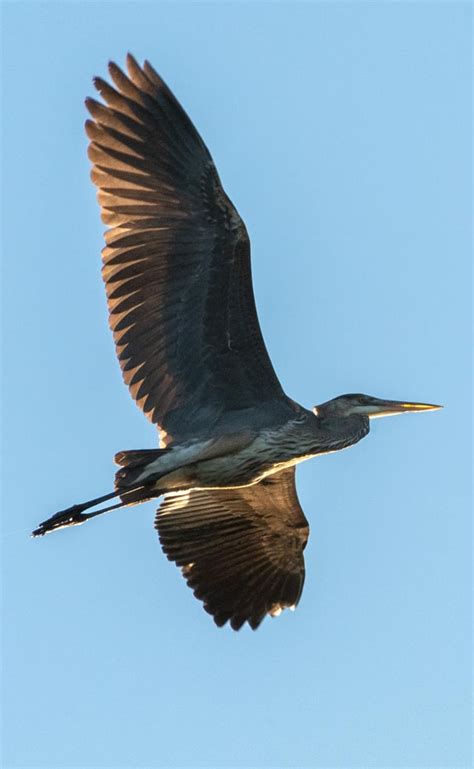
{"points": [[74, 516], [135, 482]]}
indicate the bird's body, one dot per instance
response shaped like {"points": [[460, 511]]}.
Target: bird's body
{"points": [[244, 458], [177, 273]]}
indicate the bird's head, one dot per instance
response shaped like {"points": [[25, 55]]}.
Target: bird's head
{"points": [[368, 406]]}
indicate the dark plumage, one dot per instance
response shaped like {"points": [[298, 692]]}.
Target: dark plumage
{"points": [[241, 550], [160, 194], [177, 274]]}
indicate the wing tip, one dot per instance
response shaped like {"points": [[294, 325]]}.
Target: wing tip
{"points": [[131, 62], [100, 84], [237, 620]]}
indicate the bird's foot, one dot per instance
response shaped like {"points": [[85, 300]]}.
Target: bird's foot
{"points": [[71, 517]]}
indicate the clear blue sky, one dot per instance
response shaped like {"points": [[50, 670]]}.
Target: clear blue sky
{"points": [[342, 133]]}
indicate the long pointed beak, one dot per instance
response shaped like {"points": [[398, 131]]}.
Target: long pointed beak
{"points": [[391, 408]]}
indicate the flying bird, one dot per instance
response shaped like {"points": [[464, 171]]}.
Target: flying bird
{"points": [[176, 267]]}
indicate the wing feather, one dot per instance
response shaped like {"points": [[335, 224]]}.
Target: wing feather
{"points": [[176, 264], [240, 550]]}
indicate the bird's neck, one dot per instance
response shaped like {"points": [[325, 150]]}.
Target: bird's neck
{"points": [[336, 433]]}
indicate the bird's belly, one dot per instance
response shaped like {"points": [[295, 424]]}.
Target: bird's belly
{"points": [[243, 469], [258, 458]]}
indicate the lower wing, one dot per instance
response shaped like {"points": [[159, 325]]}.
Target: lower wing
{"points": [[240, 550]]}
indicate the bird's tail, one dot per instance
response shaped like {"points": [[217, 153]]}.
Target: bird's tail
{"points": [[138, 466], [139, 457]]}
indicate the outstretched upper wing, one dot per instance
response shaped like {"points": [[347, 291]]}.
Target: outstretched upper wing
{"points": [[240, 550], [176, 263]]}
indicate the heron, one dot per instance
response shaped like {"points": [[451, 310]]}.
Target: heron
{"points": [[177, 273]]}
